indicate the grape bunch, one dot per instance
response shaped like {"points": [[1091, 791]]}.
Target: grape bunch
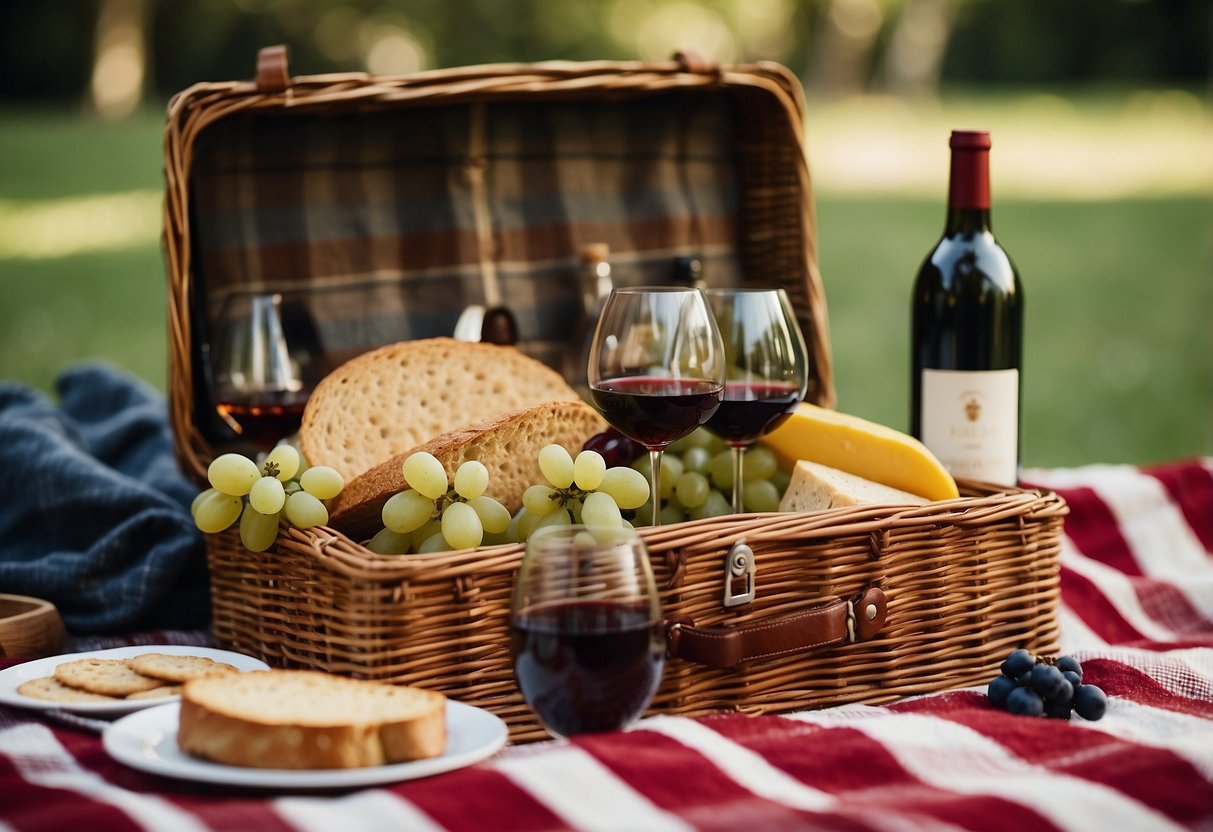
{"points": [[697, 476], [1052, 687], [258, 495], [433, 516], [578, 490]]}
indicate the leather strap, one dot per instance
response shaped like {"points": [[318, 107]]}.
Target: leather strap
{"points": [[839, 621], [272, 75]]}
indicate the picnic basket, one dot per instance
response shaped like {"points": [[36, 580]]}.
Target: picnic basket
{"points": [[764, 612]]}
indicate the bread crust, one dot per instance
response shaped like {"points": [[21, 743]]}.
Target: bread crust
{"points": [[508, 445], [394, 398]]}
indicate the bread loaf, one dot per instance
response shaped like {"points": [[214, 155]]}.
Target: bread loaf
{"points": [[299, 719], [508, 446], [814, 487], [394, 398]]}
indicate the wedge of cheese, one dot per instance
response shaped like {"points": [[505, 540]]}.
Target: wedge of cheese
{"points": [[865, 449], [815, 487]]}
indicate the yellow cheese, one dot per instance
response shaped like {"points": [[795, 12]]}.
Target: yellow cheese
{"points": [[865, 449]]}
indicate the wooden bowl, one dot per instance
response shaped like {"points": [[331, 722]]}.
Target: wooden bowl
{"points": [[29, 627]]}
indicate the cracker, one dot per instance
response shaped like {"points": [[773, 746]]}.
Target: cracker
{"points": [[112, 677], [173, 668], [162, 692], [52, 690]]}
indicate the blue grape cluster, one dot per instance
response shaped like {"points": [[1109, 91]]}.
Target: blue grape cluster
{"points": [[1044, 686]]}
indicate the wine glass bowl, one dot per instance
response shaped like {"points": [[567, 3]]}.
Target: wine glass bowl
{"points": [[767, 375], [585, 629], [656, 368]]}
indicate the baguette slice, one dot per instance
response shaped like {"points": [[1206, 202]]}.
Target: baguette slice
{"points": [[301, 719], [815, 487], [508, 446], [396, 397]]}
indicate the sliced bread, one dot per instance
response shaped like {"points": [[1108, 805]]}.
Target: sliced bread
{"points": [[508, 446], [302, 719], [394, 398], [814, 487]]}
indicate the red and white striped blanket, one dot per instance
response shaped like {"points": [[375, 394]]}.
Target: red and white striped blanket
{"points": [[1137, 591]]}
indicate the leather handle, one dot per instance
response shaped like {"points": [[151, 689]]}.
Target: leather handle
{"points": [[272, 74], [840, 621]]}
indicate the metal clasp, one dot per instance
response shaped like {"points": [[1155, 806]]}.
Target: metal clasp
{"points": [[739, 564]]}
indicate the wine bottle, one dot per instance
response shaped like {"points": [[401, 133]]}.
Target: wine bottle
{"points": [[596, 285], [966, 332]]}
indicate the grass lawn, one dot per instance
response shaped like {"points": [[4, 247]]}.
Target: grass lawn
{"points": [[1119, 289]]}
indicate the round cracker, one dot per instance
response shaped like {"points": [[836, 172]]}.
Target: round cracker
{"points": [[174, 668], [112, 677], [52, 690], [162, 692]]}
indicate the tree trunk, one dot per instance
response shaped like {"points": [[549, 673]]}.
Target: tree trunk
{"points": [[914, 59], [119, 58]]}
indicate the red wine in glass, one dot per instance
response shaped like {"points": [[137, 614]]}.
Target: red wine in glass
{"points": [[654, 410], [587, 666], [263, 419], [750, 411]]}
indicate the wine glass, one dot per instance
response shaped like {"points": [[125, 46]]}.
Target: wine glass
{"points": [[260, 389], [656, 368], [585, 629], [767, 374]]}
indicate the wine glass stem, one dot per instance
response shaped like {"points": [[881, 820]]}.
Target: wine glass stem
{"points": [[738, 464], [655, 484]]}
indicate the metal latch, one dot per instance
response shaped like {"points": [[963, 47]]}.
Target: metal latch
{"points": [[739, 566]]}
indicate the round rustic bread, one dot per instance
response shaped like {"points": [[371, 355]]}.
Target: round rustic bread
{"points": [[507, 445], [301, 719], [389, 400]]}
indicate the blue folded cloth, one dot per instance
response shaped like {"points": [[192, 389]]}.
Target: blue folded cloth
{"points": [[94, 511]]}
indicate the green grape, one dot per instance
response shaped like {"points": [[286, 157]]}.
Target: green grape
{"points": [[780, 480], [555, 519], [600, 510], [537, 499], [671, 513], [497, 539], [286, 457], [671, 470], [258, 531], [425, 474], [471, 479], [407, 511], [233, 474], [217, 511], [461, 526], [433, 543], [627, 486], [644, 514], [715, 444], [267, 496], [696, 459], [588, 470], [522, 525], [716, 505], [761, 495], [388, 542], [304, 510], [202, 495], [698, 438], [720, 470], [493, 515], [556, 465], [421, 535], [291, 487], [322, 482], [760, 464], [642, 465], [692, 489], [576, 507]]}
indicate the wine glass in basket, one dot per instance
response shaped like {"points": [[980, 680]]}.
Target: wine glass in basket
{"points": [[585, 629], [259, 381], [767, 369], [656, 368]]}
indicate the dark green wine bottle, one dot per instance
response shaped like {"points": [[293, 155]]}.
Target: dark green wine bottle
{"points": [[967, 332]]}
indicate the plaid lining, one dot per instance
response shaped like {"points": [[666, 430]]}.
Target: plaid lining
{"points": [[367, 220]]}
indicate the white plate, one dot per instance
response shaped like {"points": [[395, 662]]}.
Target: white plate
{"points": [[12, 677], [148, 741]]}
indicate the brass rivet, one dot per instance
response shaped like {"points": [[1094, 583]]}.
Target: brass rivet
{"points": [[870, 612]]}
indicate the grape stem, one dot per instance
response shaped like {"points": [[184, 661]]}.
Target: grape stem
{"points": [[271, 469]]}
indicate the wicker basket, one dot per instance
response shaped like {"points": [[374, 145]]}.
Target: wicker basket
{"points": [[915, 599]]}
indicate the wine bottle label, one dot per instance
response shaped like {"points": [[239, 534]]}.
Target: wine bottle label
{"points": [[970, 421]]}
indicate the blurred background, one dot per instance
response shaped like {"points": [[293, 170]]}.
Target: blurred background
{"points": [[1101, 113]]}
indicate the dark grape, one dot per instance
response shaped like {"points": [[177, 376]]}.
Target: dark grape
{"points": [[1069, 663], [616, 449], [1075, 679], [1000, 688], [1064, 694], [1090, 702], [1024, 702], [1018, 663], [1047, 681], [1058, 710]]}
